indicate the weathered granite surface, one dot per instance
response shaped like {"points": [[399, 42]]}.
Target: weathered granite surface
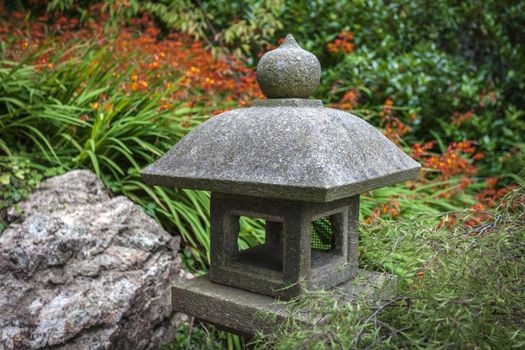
{"points": [[288, 71], [278, 150], [82, 270]]}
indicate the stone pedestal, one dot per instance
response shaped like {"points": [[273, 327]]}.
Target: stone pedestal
{"points": [[246, 313]]}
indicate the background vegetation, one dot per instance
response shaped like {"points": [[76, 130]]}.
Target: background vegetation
{"points": [[111, 85]]}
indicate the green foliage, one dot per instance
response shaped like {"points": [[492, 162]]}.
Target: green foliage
{"points": [[461, 288], [199, 336], [238, 26], [421, 200]]}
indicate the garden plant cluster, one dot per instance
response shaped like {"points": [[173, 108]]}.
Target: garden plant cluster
{"points": [[111, 85]]}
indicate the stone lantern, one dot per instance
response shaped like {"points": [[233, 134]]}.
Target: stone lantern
{"points": [[292, 162]]}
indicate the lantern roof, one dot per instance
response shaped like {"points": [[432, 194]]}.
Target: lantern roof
{"points": [[288, 146]]}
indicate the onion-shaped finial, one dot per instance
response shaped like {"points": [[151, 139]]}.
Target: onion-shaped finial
{"points": [[288, 71]]}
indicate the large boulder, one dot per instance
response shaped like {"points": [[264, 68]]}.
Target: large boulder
{"points": [[82, 270]]}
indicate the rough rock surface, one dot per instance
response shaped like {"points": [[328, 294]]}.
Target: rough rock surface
{"points": [[82, 270]]}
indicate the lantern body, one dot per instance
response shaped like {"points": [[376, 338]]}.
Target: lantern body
{"points": [[306, 244]]}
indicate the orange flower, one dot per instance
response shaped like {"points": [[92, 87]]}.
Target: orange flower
{"points": [[154, 65], [395, 129], [460, 118], [348, 101], [479, 156], [218, 76], [491, 182], [341, 44]]}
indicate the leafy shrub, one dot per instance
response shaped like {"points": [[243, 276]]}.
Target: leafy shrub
{"points": [[229, 27]]}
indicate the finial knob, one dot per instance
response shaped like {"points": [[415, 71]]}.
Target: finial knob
{"points": [[288, 71]]}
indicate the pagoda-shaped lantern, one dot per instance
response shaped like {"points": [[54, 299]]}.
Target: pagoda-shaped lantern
{"points": [[294, 163]]}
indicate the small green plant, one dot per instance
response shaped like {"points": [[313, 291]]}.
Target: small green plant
{"points": [[18, 177], [199, 336]]}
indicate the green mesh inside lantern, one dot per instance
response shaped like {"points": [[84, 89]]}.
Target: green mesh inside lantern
{"points": [[322, 234]]}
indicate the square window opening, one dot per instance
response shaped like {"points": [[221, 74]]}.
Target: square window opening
{"points": [[252, 232], [259, 243]]}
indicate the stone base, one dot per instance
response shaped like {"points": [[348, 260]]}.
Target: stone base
{"points": [[246, 313]]}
